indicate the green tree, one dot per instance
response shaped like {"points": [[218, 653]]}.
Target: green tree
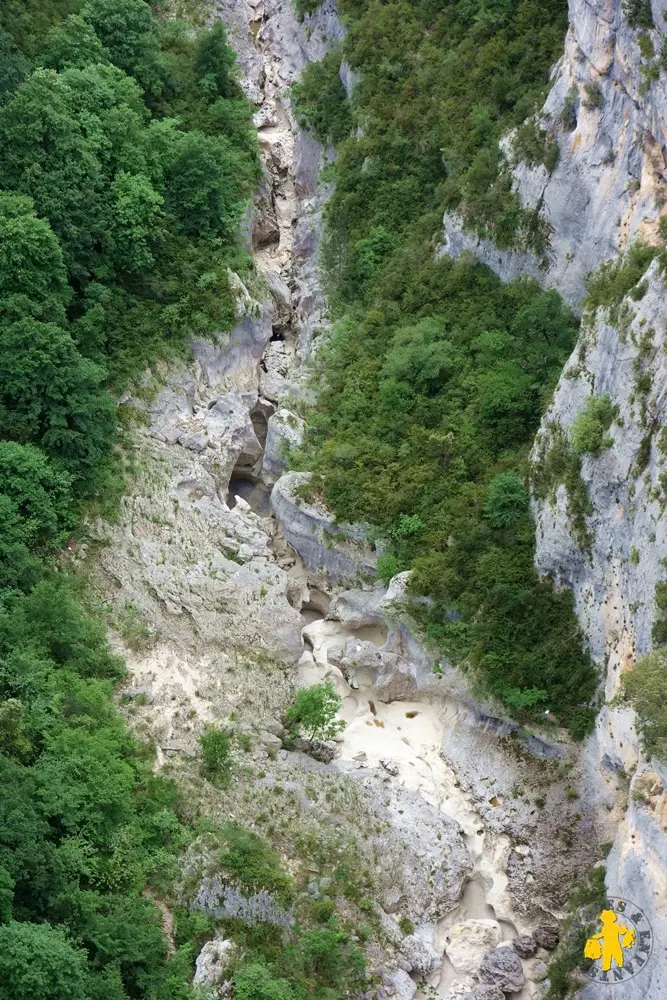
{"points": [[134, 223], [215, 751], [37, 962], [205, 182], [255, 982], [506, 501], [645, 688], [129, 33], [37, 512], [314, 711], [14, 67], [52, 396], [214, 64], [31, 261], [72, 44]]}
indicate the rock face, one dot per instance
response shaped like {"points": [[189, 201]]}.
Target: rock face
{"points": [[339, 551], [285, 430], [611, 177], [612, 561]]}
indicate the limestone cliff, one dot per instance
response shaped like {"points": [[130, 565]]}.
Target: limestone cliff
{"points": [[611, 551], [607, 109], [605, 537]]}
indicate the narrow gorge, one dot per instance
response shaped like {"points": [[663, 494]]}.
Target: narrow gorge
{"points": [[332, 367], [474, 831]]}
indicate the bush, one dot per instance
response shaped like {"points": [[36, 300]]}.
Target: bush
{"points": [[594, 97], [321, 100], [638, 13], [314, 711], [645, 688], [535, 146], [659, 631], [215, 751], [588, 430], [568, 115], [607, 287], [506, 501]]}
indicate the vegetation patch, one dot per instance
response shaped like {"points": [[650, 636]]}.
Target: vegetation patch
{"points": [[558, 463], [439, 88], [614, 280], [645, 689], [431, 392], [589, 429]]}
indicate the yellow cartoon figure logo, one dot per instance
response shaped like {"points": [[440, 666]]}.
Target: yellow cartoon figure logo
{"points": [[622, 946]]}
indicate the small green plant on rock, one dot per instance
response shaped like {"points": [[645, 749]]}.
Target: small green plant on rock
{"points": [[645, 688], [314, 711], [594, 96], [568, 115], [215, 755], [588, 430]]}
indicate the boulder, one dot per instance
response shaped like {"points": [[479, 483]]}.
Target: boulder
{"points": [[397, 985], [485, 991], [268, 739], [502, 967], [536, 971], [525, 945], [333, 550], [466, 943], [212, 961], [417, 955], [547, 936]]}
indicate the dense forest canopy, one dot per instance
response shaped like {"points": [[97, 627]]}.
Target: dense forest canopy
{"points": [[437, 374], [127, 155]]}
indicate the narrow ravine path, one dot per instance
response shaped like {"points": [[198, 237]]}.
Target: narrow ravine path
{"points": [[403, 737]]}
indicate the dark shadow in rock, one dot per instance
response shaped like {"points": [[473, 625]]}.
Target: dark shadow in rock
{"points": [[255, 494]]}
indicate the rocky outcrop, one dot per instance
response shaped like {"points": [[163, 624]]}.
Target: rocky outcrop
{"points": [[607, 109], [212, 962], [327, 548], [285, 431], [612, 562]]}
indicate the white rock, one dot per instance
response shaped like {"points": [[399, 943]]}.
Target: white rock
{"points": [[466, 943]]}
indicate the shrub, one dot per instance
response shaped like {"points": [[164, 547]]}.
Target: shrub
{"points": [[313, 712], [645, 688], [594, 97], [659, 632], [215, 752], [506, 501], [568, 115], [387, 566], [588, 430], [534, 146], [638, 13], [608, 286]]}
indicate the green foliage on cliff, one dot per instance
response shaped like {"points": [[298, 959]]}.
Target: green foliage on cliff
{"points": [[645, 688], [432, 394], [437, 375], [440, 85], [313, 712], [589, 429]]}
